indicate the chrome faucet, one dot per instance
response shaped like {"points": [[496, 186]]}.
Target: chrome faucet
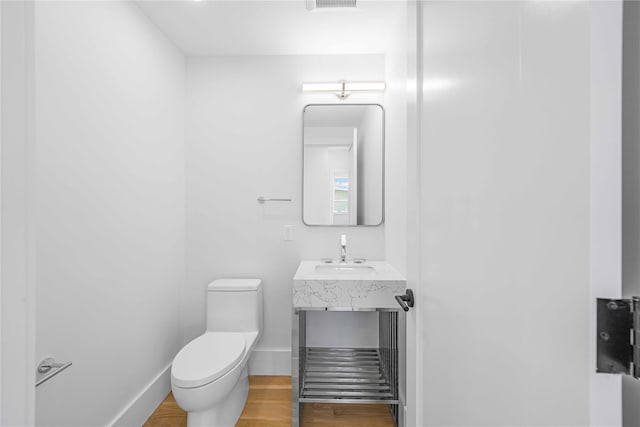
{"points": [[343, 248]]}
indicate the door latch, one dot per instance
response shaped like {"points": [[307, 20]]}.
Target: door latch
{"points": [[49, 368], [405, 300]]}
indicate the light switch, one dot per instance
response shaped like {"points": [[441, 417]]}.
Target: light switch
{"points": [[287, 233]]}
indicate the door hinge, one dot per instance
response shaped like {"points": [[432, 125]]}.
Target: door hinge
{"points": [[618, 340]]}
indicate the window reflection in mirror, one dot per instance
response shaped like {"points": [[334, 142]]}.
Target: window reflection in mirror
{"points": [[343, 167]]}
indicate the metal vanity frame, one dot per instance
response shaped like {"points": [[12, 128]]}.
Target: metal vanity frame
{"points": [[345, 375]]}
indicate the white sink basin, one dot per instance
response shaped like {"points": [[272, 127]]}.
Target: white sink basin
{"points": [[337, 271], [346, 269]]}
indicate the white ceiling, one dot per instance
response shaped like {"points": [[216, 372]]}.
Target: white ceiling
{"points": [[267, 27]]}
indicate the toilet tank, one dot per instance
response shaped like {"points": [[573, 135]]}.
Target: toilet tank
{"points": [[234, 305]]}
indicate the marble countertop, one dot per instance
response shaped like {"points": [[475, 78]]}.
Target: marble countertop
{"points": [[317, 290]]}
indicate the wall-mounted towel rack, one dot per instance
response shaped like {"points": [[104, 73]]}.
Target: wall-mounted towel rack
{"points": [[263, 199]]}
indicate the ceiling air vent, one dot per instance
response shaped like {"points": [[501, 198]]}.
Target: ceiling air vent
{"points": [[327, 4]]}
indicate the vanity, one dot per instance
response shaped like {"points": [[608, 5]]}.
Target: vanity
{"points": [[333, 372], [347, 315]]}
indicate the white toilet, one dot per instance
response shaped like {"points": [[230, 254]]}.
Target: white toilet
{"points": [[209, 376]]}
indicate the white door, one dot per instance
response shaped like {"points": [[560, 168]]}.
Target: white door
{"points": [[520, 211]]}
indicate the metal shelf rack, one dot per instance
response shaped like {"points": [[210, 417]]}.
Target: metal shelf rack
{"points": [[345, 375]]}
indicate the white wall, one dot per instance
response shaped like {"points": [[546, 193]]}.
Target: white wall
{"points": [[504, 224], [318, 200], [342, 329], [244, 140], [110, 209], [370, 160], [319, 162]]}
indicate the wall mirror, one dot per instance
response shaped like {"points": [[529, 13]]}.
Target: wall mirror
{"points": [[343, 165]]}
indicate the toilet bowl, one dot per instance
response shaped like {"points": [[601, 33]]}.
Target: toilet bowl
{"points": [[209, 376]]}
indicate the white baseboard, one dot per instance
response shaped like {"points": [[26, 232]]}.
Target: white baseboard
{"points": [[143, 405], [270, 361]]}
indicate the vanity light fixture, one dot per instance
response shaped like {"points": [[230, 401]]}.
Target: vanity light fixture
{"points": [[343, 89], [331, 4]]}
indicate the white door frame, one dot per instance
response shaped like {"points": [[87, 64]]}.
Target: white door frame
{"points": [[412, 416], [17, 404], [605, 392]]}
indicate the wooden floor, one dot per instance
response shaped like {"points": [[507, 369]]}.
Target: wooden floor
{"points": [[269, 405]]}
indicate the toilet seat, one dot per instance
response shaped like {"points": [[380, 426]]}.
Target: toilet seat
{"points": [[207, 358]]}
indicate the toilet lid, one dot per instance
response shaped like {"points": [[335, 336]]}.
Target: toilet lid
{"points": [[207, 358]]}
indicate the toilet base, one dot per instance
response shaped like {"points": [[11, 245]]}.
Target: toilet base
{"points": [[227, 412]]}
